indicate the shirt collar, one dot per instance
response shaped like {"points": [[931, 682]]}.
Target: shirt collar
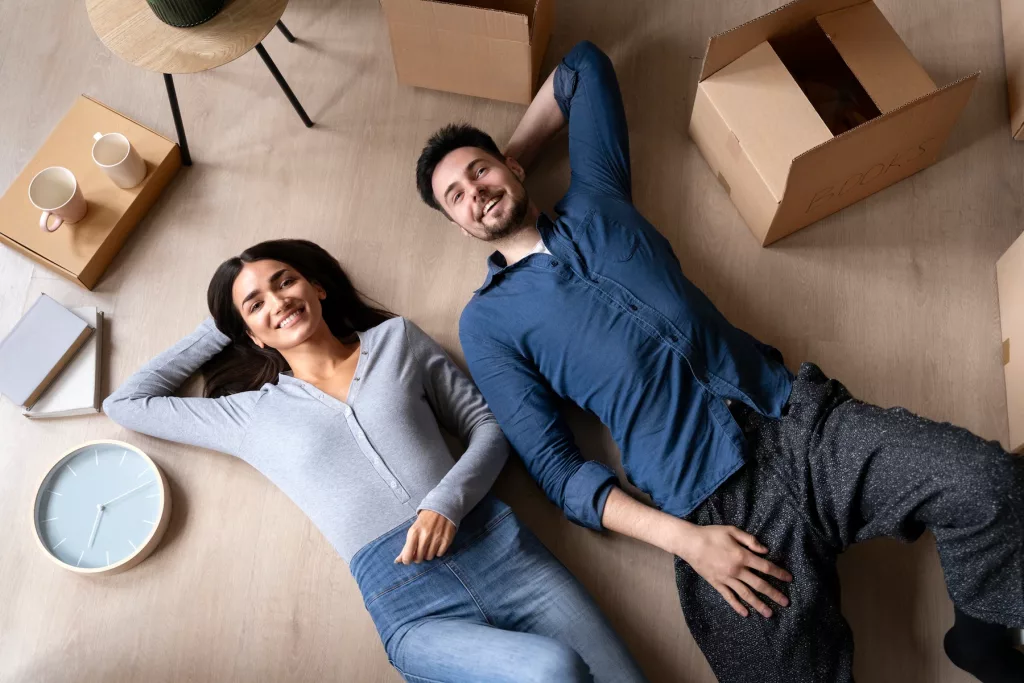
{"points": [[496, 264]]}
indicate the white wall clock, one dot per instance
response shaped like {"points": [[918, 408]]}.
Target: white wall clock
{"points": [[102, 508]]}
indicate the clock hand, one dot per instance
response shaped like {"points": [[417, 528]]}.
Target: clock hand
{"points": [[96, 524], [127, 493]]}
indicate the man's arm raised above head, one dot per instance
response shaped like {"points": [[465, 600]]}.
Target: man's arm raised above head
{"points": [[583, 91]]}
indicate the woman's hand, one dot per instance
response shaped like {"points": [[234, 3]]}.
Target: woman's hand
{"points": [[725, 556], [428, 537]]}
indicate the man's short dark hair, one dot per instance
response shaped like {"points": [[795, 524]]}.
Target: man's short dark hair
{"points": [[450, 138]]}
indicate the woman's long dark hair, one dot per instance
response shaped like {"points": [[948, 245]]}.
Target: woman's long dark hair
{"points": [[243, 366]]}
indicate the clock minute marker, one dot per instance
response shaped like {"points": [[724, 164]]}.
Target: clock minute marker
{"points": [[72, 471], [79, 563], [134, 547], [54, 492], [108, 557], [122, 458], [97, 454], [58, 543]]}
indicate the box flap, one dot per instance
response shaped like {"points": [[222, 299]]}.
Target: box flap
{"points": [[767, 113], [540, 35], [1013, 45], [463, 19], [871, 156], [1010, 278], [876, 55], [729, 45]]}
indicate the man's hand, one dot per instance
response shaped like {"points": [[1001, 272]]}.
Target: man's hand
{"points": [[428, 537], [725, 557]]}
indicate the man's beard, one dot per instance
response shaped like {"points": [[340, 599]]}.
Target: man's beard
{"points": [[513, 221]]}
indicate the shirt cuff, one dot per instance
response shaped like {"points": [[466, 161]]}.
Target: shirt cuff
{"points": [[586, 493]]}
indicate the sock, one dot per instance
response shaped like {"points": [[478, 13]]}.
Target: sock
{"points": [[984, 650]]}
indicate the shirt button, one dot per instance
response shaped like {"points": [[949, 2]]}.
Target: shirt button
{"points": [[355, 379], [674, 338], [632, 307], [393, 484], [554, 264], [365, 353]]}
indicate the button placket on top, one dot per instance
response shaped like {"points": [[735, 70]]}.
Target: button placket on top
{"points": [[379, 466], [365, 447]]}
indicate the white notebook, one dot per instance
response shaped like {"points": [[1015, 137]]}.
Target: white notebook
{"points": [[41, 344], [76, 390]]}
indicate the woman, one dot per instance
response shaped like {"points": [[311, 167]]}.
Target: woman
{"points": [[338, 404]]}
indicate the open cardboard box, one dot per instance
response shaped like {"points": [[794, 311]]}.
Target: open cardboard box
{"points": [[486, 48], [82, 251], [1010, 277], [815, 106], [1013, 46]]}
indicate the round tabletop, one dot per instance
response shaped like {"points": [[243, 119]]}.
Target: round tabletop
{"points": [[131, 30]]}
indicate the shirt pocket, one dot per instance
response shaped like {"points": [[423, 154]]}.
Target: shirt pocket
{"points": [[605, 239]]}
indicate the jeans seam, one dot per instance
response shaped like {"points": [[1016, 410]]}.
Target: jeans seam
{"points": [[472, 594], [406, 674], [400, 584], [490, 525]]}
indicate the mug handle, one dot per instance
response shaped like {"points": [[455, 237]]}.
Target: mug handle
{"points": [[44, 219]]}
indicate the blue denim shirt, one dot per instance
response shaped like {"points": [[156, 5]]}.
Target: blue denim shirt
{"points": [[610, 322]]}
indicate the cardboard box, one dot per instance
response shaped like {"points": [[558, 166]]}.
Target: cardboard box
{"points": [[1013, 45], [1010, 278], [486, 48], [815, 106], [82, 251]]}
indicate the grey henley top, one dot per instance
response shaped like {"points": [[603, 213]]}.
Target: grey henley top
{"points": [[358, 468]]}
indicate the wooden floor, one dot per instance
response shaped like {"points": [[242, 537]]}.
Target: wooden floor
{"points": [[894, 295]]}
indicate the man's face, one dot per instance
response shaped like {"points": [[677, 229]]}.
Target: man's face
{"points": [[482, 195]]}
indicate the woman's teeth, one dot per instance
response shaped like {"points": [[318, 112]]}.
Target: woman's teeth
{"points": [[289, 320]]}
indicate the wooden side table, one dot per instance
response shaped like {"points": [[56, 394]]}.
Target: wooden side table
{"points": [[131, 30]]}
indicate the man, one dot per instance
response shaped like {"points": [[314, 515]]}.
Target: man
{"points": [[592, 306]]}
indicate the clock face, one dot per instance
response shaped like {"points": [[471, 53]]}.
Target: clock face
{"points": [[99, 505]]}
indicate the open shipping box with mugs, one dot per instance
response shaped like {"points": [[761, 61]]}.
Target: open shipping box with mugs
{"points": [[81, 250], [813, 107]]}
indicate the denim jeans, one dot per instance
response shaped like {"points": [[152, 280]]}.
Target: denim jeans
{"points": [[498, 607]]}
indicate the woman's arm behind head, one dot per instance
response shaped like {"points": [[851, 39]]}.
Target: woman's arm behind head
{"points": [[145, 402]]}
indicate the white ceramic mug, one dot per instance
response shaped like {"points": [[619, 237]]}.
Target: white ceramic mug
{"points": [[55, 191], [118, 159]]}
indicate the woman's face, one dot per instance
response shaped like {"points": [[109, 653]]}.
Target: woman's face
{"points": [[280, 307]]}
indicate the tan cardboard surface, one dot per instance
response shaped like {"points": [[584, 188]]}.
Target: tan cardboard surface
{"points": [[487, 48], [877, 55], [868, 158], [1013, 46], [1010, 277], [732, 166], [81, 251], [729, 45], [767, 112]]}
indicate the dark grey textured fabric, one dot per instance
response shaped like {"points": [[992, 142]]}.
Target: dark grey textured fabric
{"points": [[835, 471]]}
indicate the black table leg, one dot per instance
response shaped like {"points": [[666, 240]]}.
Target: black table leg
{"points": [[186, 158], [284, 30], [284, 85]]}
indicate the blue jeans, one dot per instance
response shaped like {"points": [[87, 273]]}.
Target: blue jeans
{"points": [[498, 607]]}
